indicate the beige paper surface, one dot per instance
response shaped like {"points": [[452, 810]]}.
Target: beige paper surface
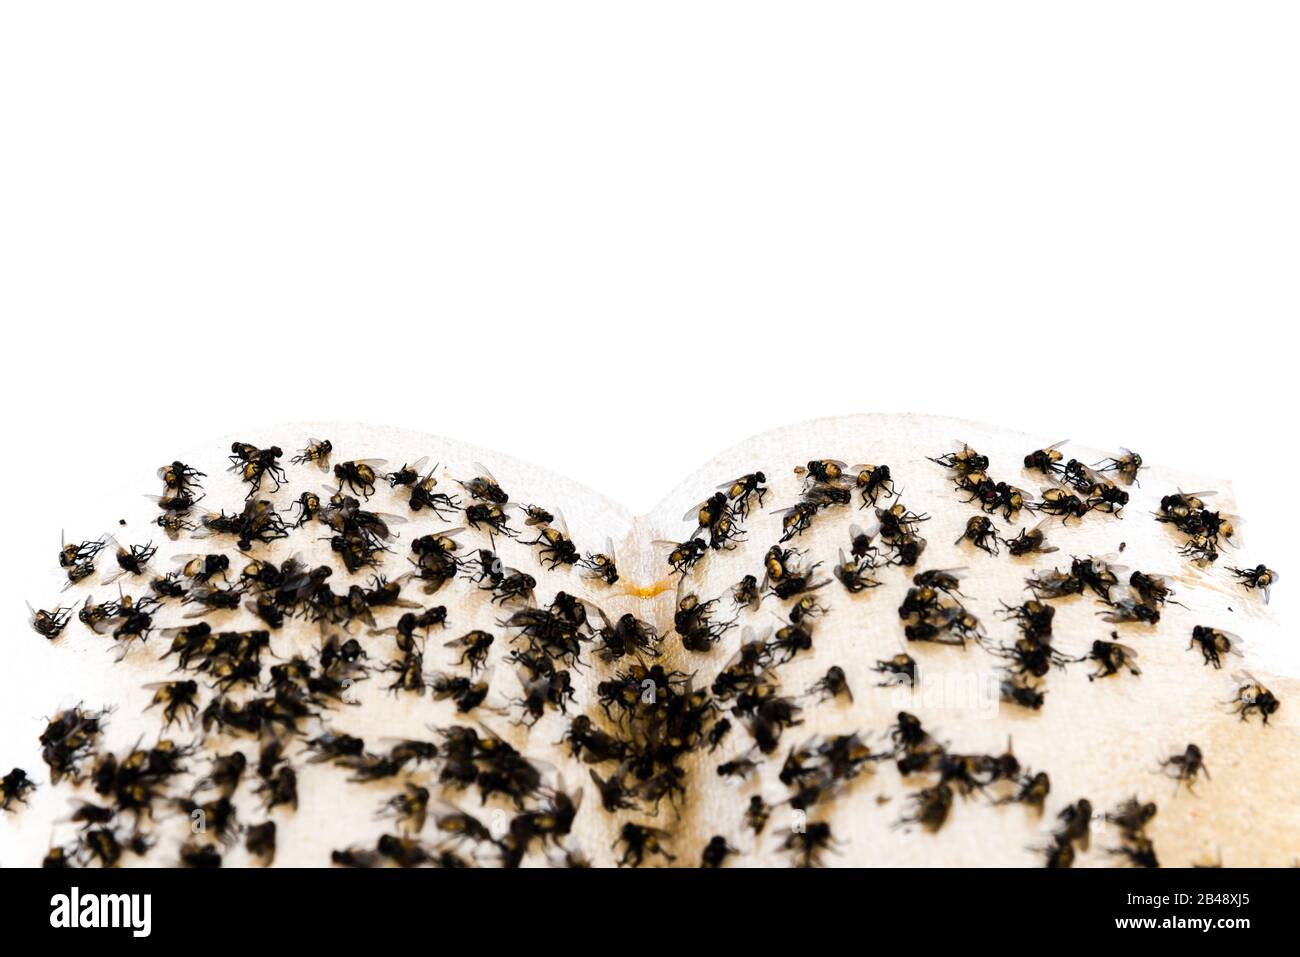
{"points": [[1102, 739]]}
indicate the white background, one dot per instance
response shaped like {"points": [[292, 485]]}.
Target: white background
{"points": [[616, 238]]}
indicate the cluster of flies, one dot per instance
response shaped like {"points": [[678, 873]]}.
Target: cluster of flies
{"points": [[650, 718], [284, 707]]}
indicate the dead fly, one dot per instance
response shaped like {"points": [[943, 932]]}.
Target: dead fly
{"points": [[806, 846], [1032, 791], [785, 576], [601, 566], [408, 474], [1076, 823], [789, 641], [898, 529], [716, 852], [824, 471], [746, 594], [218, 817], [930, 807], [473, 647], [1126, 465], [718, 733], [1059, 853], [872, 481], [214, 598], [1185, 767], [14, 788], [769, 715], [257, 522], [831, 685], [200, 568], [1129, 610], [513, 586], [254, 464], [1033, 656], [409, 669], [1033, 617], [900, 669], [1214, 644], [1054, 583], [466, 693], [359, 475], [741, 490], [554, 689], [333, 746], [592, 745], [79, 572], [1111, 658], [259, 841], [744, 671], [180, 480], [684, 556], [226, 773], [132, 618], [309, 508], [92, 815], [178, 698], [1139, 850], [49, 624], [434, 560], [410, 808], [491, 515], [855, 574], [1000, 497], [96, 616], [1062, 503], [1132, 817], [806, 609], [175, 506], [82, 553], [825, 496], [279, 788], [1019, 690], [757, 814], [1104, 495], [317, 451], [1097, 574], [485, 488], [963, 461], [1204, 528], [946, 624], [354, 857], [714, 516], [627, 636], [173, 525], [1260, 577], [423, 496], [555, 548], [739, 768], [1253, 697], [1045, 460], [981, 533], [693, 621], [132, 560], [919, 602], [100, 845], [797, 519], [638, 842], [1033, 541], [484, 569], [1154, 590], [168, 586]]}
